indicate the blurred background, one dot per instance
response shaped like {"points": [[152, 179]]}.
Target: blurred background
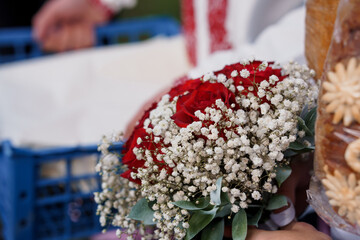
{"points": [[74, 70]]}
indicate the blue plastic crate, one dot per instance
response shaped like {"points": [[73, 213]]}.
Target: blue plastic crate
{"points": [[18, 44], [36, 207]]}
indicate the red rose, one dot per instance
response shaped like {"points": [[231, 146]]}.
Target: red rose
{"points": [[194, 95], [127, 175], [204, 96], [129, 157], [255, 78], [185, 85]]}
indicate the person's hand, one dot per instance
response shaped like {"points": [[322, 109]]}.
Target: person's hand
{"points": [[293, 231], [62, 25]]}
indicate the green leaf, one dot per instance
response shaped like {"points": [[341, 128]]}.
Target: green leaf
{"points": [[276, 202], [224, 211], [282, 173], [201, 204], [303, 126], [214, 231], [309, 149], [304, 111], [215, 195], [297, 146], [239, 225], [290, 153], [254, 220], [310, 139], [310, 119], [300, 147], [199, 221], [224, 198], [142, 212]]}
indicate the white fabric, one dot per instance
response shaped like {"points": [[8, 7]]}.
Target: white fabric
{"points": [[202, 30], [117, 5], [283, 41], [237, 23], [268, 12], [77, 97], [244, 21]]}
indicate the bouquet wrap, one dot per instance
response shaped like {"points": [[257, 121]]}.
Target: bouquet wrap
{"points": [[320, 18], [337, 163]]}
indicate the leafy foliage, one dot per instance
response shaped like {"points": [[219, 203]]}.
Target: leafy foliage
{"points": [[199, 221], [199, 204], [214, 231], [142, 212], [254, 220], [208, 213], [215, 196], [306, 123], [239, 225], [282, 173], [277, 201]]}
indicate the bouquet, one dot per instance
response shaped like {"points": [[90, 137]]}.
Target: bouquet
{"points": [[212, 152]]}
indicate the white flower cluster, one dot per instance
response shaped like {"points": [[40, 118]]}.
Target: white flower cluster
{"points": [[118, 194], [242, 144], [297, 71]]}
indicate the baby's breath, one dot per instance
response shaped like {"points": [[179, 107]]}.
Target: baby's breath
{"points": [[243, 143]]}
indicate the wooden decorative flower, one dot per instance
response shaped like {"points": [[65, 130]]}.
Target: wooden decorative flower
{"points": [[343, 93], [352, 155], [343, 193]]}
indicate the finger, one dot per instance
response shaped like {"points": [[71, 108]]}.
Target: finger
{"points": [[89, 36], [83, 36], [69, 37], [77, 33], [56, 41], [65, 41], [303, 227], [50, 43], [46, 19], [295, 225], [257, 234], [254, 234]]}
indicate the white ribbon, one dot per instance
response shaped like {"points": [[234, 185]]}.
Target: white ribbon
{"points": [[117, 5], [285, 217]]}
